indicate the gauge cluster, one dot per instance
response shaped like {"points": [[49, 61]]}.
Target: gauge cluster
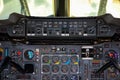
{"points": [[60, 62]]}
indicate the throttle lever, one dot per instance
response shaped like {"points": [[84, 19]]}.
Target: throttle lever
{"points": [[17, 66], [107, 65], [115, 64], [5, 63], [8, 61], [104, 67]]}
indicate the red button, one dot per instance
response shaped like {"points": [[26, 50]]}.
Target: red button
{"points": [[19, 53]]}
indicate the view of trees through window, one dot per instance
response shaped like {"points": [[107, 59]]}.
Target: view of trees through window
{"points": [[78, 8]]}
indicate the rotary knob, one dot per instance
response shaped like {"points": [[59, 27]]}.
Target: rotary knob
{"points": [[111, 54], [29, 54]]}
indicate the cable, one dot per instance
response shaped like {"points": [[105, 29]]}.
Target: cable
{"points": [[115, 64], [5, 63], [104, 67], [8, 61], [112, 62], [17, 66]]}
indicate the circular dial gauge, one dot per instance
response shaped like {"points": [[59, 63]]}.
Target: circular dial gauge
{"points": [[64, 68], [74, 77], [64, 59], [46, 59], [111, 54], [64, 77], [55, 68], [55, 77], [74, 68], [45, 77], [55, 59], [46, 68], [74, 59]]}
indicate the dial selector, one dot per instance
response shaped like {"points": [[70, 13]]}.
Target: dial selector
{"points": [[111, 54], [29, 54]]}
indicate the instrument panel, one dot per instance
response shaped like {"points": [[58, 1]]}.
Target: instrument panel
{"points": [[40, 48], [60, 62]]}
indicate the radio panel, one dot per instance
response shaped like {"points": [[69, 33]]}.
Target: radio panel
{"points": [[34, 28], [61, 27]]}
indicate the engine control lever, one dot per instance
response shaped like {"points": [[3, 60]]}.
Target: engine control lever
{"points": [[112, 62], [8, 61], [17, 66], [5, 63], [104, 67]]}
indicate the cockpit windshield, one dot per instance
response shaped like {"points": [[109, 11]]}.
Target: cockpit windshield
{"points": [[78, 8]]}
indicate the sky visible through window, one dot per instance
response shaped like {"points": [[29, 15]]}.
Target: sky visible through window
{"points": [[78, 8]]}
